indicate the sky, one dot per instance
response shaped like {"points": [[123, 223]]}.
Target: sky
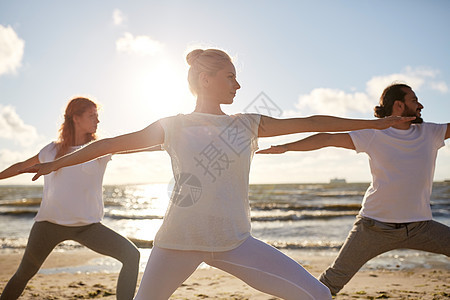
{"points": [[297, 58]]}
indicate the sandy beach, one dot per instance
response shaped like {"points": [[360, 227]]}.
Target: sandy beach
{"points": [[209, 283]]}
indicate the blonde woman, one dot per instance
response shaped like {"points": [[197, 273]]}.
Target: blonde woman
{"points": [[72, 205], [208, 218]]}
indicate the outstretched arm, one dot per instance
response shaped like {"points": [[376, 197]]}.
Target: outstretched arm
{"points": [[150, 136], [313, 142], [149, 149], [17, 167], [272, 127]]}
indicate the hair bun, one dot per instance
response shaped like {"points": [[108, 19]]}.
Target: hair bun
{"points": [[379, 112], [193, 56]]}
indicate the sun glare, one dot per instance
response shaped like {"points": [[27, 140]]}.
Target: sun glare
{"points": [[165, 90]]}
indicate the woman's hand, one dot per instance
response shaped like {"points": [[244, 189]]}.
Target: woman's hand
{"points": [[39, 169], [387, 122], [274, 150]]}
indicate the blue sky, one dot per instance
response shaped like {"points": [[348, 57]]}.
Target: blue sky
{"points": [[307, 57]]}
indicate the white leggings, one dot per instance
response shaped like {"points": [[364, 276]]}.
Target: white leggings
{"points": [[258, 264]]}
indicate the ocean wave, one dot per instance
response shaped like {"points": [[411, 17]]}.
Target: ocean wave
{"points": [[131, 216], [21, 243], [314, 190], [300, 217], [22, 202], [441, 213], [113, 202], [19, 213], [296, 206], [12, 244], [309, 245]]}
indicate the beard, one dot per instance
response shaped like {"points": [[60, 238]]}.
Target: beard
{"points": [[417, 120], [410, 113]]}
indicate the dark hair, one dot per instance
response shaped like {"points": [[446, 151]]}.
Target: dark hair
{"points": [[390, 94]]}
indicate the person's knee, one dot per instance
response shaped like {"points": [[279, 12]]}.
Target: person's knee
{"points": [[331, 289], [136, 255], [133, 256], [128, 256], [322, 293]]}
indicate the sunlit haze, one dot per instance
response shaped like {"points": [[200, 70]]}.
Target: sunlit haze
{"points": [[304, 57]]}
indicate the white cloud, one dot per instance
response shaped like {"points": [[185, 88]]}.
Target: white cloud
{"points": [[142, 44], [332, 101], [421, 71], [416, 78], [439, 86], [339, 102], [12, 127], [8, 157], [11, 50], [118, 17]]}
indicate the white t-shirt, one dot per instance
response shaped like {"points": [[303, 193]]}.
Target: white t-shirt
{"points": [[402, 163], [72, 195], [211, 156]]}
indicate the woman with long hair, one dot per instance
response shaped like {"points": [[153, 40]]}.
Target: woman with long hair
{"points": [[208, 218], [72, 205]]}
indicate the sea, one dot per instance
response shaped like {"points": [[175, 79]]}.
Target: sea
{"points": [[302, 220]]}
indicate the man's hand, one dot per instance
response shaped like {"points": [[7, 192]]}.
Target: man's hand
{"points": [[274, 150]]}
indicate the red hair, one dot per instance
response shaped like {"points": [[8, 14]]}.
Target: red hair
{"points": [[76, 107]]}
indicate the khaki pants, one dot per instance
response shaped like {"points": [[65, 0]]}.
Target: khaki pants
{"points": [[369, 238]]}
